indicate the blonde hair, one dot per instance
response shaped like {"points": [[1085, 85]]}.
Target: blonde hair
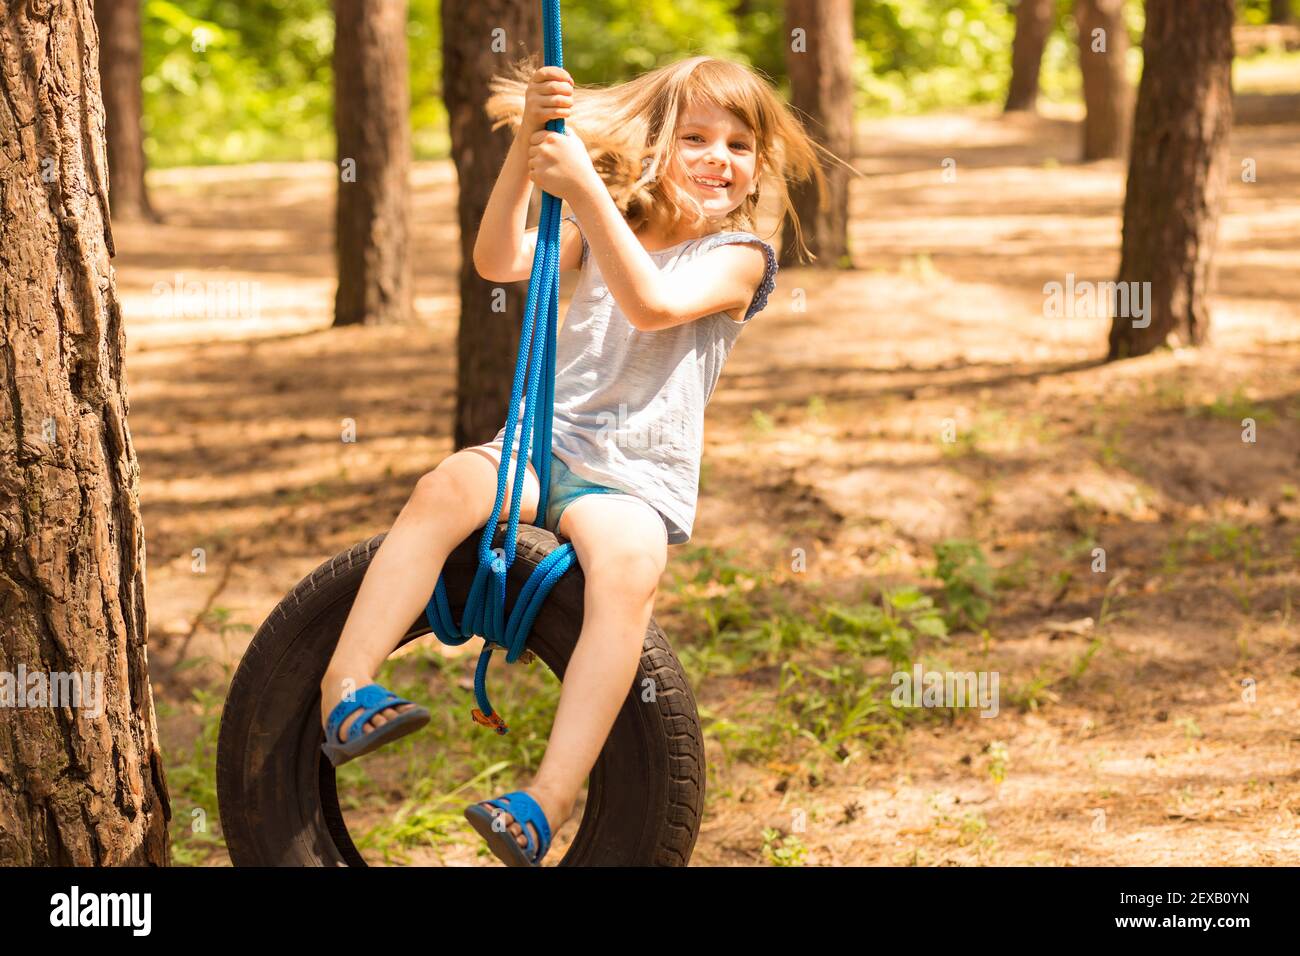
{"points": [[629, 128]]}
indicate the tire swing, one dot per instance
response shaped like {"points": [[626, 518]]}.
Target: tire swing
{"points": [[277, 791]]}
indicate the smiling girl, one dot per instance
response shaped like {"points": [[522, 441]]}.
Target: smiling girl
{"points": [[663, 176]]}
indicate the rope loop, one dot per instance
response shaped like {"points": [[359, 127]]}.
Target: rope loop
{"points": [[485, 609]]}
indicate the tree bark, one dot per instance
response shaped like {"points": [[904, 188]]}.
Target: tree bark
{"points": [[821, 87], [487, 341], [1280, 12], [372, 105], [1177, 173], [120, 69], [81, 782], [1107, 95], [1033, 25]]}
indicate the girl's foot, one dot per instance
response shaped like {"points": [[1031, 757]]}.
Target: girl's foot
{"points": [[331, 693], [557, 812]]}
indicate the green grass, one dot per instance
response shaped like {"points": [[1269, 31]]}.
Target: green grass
{"points": [[1234, 407], [1034, 693], [762, 422], [968, 582], [783, 850], [805, 681], [191, 776], [994, 430]]}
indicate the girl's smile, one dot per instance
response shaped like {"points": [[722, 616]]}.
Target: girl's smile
{"points": [[716, 153]]}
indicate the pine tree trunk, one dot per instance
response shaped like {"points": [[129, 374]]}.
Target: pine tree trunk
{"points": [[80, 784], [1178, 169], [1280, 12], [120, 69], [488, 341], [372, 106], [821, 87], [1103, 49], [1033, 25]]}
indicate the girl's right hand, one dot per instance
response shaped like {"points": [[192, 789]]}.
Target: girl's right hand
{"points": [[549, 96]]}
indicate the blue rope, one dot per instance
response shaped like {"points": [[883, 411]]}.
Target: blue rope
{"points": [[484, 614]]}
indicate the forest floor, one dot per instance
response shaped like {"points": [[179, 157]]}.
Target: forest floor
{"points": [[1148, 711]]}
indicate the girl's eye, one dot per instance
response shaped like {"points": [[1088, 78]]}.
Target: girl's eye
{"points": [[737, 143]]}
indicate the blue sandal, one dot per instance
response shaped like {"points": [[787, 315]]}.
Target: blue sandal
{"points": [[503, 844], [374, 699]]}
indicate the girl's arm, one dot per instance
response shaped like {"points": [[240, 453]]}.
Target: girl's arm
{"points": [[499, 241], [503, 249], [722, 280], [626, 267]]}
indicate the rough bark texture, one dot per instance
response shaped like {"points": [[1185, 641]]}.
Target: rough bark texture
{"points": [[79, 785], [1033, 24], [120, 69], [821, 87], [1106, 90], [1178, 171], [372, 103], [488, 342]]}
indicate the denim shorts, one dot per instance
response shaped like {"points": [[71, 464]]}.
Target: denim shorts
{"points": [[566, 488]]}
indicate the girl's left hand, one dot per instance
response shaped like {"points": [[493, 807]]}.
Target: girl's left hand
{"points": [[558, 162]]}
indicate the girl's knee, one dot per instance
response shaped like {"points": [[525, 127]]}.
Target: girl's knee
{"points": [[629, 574], [439, 497], [467, 482], [437, 489]]}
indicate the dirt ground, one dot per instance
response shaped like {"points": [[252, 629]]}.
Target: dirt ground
{"points": [[1158, 753]]}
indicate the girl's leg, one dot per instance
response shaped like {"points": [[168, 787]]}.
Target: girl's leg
{"points": [[621, 545], [447, 506]]}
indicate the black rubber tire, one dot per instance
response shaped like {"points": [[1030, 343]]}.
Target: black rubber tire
{"points": [[276, 789]]}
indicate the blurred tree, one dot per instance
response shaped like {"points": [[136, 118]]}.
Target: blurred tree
{"points": [[372, 119], [119, 66], [480, 40], [1033, 24], [1177, 172], [819, 34], [1279, 11], [1107, 95], [83, 776]]}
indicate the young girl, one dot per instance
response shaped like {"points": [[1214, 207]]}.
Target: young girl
{"points": [[663, 193]]}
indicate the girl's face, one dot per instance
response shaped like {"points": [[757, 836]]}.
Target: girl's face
{"points": [[716, 160]]}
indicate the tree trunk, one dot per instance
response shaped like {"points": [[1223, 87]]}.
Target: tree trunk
{"points": [[1103, 49], [820, 63], [488, 340], [372, 105], [1033, 24], [1177, 172], [1280, 12], [81, 780], [120, 68]]}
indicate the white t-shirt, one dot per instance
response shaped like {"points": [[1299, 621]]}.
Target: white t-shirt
{"points": [[629, 405]]}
